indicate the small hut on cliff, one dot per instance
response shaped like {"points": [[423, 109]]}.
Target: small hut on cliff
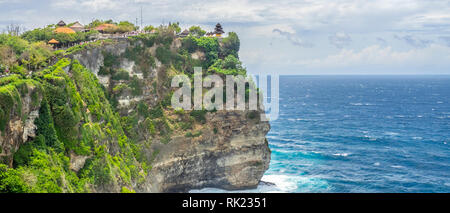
{"points": [[54, 43], [61, 24], [77, 27], [65, 30], [184, 33]]}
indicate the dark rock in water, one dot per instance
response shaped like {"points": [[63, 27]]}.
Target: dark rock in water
{"points": [[264, 183]]}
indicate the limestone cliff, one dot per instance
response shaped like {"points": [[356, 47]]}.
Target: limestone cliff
{"points": [[18, 118], [148, 146]]}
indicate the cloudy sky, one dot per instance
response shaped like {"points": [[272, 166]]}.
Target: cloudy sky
{"points": [[285, 36]]}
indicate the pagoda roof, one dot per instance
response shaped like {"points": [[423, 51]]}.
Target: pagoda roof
{"points": [[218, 29]]}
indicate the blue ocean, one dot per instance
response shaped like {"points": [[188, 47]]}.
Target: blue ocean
{"points": [[360, 134]]}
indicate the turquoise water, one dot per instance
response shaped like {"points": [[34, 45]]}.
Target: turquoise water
{"points": [[360, 134]]}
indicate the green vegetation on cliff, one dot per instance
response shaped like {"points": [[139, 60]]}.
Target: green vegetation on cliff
{"points": [[78, 118], [75, 118]]}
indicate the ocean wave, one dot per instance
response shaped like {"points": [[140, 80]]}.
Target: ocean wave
{"points": [[370, 138], [274, 139], [299, 119], [391, 133], [362, 104], [291, 183], [277, 183], [287, 145], [341, 154]]}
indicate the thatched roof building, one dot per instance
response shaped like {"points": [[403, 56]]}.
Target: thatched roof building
{"points": [[77, 27], [184, 33], [53, 41], [65, 30]]}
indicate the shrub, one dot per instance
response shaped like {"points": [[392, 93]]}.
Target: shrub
{"points": [[199, 115], [121, 75], [193, 135], [230, 45], [11, 180], [163, 55], [126, 190], [156, 112], [136, 86]]}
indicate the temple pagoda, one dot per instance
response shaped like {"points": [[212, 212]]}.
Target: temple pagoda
{"points": [[218, 31]]}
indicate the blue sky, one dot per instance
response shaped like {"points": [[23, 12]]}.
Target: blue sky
{"points": [[285, 36]]}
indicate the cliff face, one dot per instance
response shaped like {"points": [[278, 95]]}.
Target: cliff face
{"points": [[235, 157], [231, 152], [18, 119], [147, 146]]}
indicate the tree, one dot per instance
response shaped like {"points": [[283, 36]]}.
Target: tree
{"points": [[228, 66], [98, 22], [149, 28], [231, 45], [126, 26], [17, 44], [7, 56], [175, 27], [36, 55], [189, 43], [14, 29], [197, 31], [39, 34]]}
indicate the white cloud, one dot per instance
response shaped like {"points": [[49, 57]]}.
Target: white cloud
{"points": [[293, 38], [432, 56], [275, 32], [340, 40]]}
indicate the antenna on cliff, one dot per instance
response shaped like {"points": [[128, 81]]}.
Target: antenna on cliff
{"points": [[141, 18]]}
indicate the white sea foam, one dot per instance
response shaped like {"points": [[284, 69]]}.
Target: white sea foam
{"points": [[362, 104], [342, 154], [391, 133], [278, 183], [283, 183]]}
